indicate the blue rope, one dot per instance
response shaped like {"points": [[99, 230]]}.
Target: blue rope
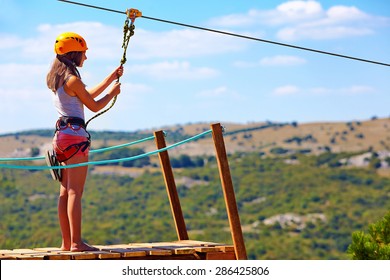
{"points": [[92, 151], [9, 166]]}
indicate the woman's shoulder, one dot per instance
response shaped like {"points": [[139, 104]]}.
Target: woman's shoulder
{"points": [[73, 81], [73, 84], [71, 78]]}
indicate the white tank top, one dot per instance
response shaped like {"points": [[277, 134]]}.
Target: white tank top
{"points": [[68, 106]]}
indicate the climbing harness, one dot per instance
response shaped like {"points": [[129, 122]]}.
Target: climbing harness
{"points": [[54, 159], [75, 124], [128, 32], [57, 156]]}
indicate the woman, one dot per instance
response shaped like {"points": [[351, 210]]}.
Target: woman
{"points": [[71, 140]]}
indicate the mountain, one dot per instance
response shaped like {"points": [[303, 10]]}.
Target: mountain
{"points": [[268, 137]]}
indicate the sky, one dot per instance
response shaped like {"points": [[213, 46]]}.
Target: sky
{"points": [[179, 75]]}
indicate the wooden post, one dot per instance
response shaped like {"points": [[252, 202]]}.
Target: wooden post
{"points": [[228, 192], [173, 196]]}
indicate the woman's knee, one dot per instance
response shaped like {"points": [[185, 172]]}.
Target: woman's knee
{"points": [[78, 192]]}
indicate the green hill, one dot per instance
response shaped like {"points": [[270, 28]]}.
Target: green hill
{"points": [[293, 204]]}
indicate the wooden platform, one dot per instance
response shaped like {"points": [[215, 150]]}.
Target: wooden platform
{"points": [[177, 250]]}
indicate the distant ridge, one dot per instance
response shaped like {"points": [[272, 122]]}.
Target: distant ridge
{"points": [[265, 137]]}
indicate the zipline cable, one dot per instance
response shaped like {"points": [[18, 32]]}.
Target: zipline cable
{"points": [[235, 35]]}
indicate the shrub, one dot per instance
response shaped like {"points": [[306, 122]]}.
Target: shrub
{"points": [[372, 246], [278, 151]]}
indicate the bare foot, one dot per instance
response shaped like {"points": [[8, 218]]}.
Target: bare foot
{"points": [[65, 247], [83, 247]]}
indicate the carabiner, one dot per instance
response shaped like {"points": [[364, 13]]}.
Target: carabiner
{"points": [[133, 14]]}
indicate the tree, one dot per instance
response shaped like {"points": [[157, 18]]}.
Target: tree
{"points": [[35, 151], [372, 246]]}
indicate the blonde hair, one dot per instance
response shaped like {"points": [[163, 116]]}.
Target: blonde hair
{"points": [[61, 68]]}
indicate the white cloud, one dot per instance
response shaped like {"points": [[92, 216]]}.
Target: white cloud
{"points": [[219, 92], [336, 22], [16, 76], [231, 21], [216, 92], [288, 12], [358, 89], [181, 44], [277, 60], [289, 90], [286, 90], [321, 33], [338, 14], [245, 64], [297, 11], [105, 42], [350, 90], [131, 96], [9, 42], [298, 20], [173, 70], [282, 60], [320, 91]]}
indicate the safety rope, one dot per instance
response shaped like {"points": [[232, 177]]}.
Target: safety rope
{"points": [[109, 161], [128, 32], [92, 151]]}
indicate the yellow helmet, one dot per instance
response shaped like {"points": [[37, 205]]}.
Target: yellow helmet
{"points": [[69, 42]]}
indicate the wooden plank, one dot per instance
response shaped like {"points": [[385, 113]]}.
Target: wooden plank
{"points": [[80, 255], [157, 244], [170, 185], [182, 249], [24, 251], [157, 252], [178, 250], [4, 252], [228, 192], [226, 248], [27, 257], [206, 249], [128, 253], [6, 257], [151, 244], [198, 243], [101, 247], [139, 245], [220, 256], [49, 249], [42, 254], [54, 256], [105, 255], [173, 247], [203, 246]]}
